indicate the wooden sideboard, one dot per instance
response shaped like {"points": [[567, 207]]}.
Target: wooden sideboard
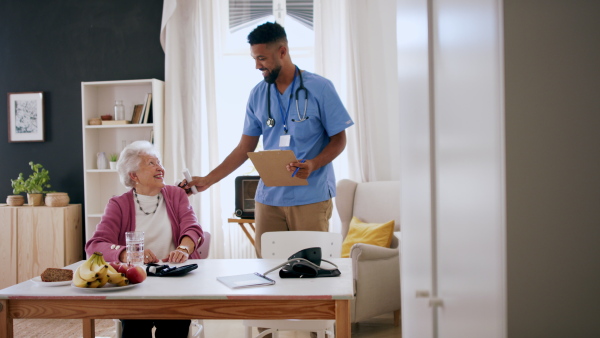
{"points": [[36, 238]]}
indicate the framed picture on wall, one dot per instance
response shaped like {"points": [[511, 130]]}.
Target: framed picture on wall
{"points": [[26, 117]]}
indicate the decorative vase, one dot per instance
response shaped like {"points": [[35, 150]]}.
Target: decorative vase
{"points": [[15, 200], [35, 200], [57, 199], [119, 110], [113, 165], [101, 160]]}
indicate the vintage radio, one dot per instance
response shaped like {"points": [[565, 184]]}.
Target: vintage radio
{"points": [[245, 190]]}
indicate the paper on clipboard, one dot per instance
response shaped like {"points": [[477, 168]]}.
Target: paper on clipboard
{"points": [[270, 165]]}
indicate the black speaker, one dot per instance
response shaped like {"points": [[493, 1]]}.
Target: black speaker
{"points": [[245, 190]]}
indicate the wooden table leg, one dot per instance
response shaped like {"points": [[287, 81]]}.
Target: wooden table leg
{"points": [[89, 328], [397, 318], [243, 225], [342, 319], [6, 322]]}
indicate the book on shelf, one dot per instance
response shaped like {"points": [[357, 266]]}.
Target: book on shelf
{"points": [[115, 122], [150, 114], [137, 113], [147, 106]]}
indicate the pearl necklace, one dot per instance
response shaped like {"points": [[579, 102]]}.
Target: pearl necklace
{"points": [[140, 205]]}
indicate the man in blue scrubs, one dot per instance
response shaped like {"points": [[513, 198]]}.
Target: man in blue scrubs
{"points": [[310, 121]]}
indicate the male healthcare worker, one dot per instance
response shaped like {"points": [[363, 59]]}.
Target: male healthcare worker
{"points": [[293, 110]]}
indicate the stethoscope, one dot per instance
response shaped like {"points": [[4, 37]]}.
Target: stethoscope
{"points": [[271, 120]]}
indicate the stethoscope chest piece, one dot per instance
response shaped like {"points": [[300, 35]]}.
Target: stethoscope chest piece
{"points": [[271, 121]]}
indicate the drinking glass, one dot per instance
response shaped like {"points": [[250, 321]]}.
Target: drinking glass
{"points": [[135, 247]]}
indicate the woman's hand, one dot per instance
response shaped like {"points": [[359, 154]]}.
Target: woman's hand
{"points": [[177, 256], [150, 257]]}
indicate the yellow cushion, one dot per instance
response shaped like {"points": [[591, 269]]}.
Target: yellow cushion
{"points": [[369, 233]]}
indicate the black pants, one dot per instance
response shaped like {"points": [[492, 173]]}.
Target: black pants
{"points": [[164, 328]]}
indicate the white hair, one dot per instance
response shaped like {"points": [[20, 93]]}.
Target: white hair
{"points": [[130, 158]]}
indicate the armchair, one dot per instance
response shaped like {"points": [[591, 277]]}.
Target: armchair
{"points": [[376, 270]]}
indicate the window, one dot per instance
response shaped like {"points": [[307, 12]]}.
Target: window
{"points": [[243, 13], [236, 76]]}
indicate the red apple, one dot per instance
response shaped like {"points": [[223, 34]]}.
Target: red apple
{"points": [[115, 265], [123, 267], [136, 274]]}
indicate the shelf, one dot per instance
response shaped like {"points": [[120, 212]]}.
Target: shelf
{"points": [[97, 98]]}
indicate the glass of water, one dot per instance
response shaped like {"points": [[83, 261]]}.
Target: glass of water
{"points": [[135, 247]]}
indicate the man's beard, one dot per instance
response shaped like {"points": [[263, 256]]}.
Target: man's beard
{"points": [[273, 75]]}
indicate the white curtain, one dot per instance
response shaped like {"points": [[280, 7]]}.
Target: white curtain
{"points": [[187, 37], [356, 49]]}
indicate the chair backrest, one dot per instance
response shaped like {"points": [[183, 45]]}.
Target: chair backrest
{"points": [[204, 248], [371, 202], [283, 244]]}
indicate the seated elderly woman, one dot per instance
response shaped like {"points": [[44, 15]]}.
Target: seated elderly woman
{"points": [[163, 212]]}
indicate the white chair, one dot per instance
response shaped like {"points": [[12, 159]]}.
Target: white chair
{"points": [[376, 270], [197, 325], [281, 245]]}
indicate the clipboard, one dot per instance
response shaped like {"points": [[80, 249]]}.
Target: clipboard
{"points": [[270, 165], [246, 280]]}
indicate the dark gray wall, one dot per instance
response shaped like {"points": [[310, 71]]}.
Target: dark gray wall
{"points": [[552, 62], [52, 46]]}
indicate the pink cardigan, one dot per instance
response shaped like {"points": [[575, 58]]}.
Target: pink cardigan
{"points": [[119, 217]]}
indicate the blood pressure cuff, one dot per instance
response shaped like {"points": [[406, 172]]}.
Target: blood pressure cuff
{"points": [[156, 270], [306, 263]]}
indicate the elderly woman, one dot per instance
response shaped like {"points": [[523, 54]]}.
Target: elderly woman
{"points": [[162, 212]]}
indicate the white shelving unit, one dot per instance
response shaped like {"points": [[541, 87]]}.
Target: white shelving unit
{"points": [[98, 98]]}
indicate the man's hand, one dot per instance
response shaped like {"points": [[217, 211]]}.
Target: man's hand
{"points": [[201, 183], [304, 169]]}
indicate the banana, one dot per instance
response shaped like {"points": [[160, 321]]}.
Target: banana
{"points": [[78, 281], [103, 276], [101, 258], [94, 284], [124, 282], [85, 270], [97, 264], [115, 278], [111, 269]]}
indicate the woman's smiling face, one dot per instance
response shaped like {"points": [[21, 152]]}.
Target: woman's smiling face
{"points": [[149, 177]]}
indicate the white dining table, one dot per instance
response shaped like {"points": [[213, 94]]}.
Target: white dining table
{"points": [[197, 295]]}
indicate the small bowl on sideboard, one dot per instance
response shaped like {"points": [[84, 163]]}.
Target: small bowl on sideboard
{"points": [[15, 200], [57, 199]]}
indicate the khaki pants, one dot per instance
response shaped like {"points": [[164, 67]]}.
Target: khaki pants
{"points": [[308, 217]]}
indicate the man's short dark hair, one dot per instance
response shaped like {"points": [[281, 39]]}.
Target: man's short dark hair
{"points": [[267, 33]]}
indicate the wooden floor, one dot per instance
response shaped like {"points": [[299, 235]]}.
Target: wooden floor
{"points": [[378, 327]]}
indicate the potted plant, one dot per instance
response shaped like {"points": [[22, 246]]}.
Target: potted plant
{"points": [[113, 161], [34, 185]]}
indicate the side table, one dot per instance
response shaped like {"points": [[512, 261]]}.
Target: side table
{"points": [[243, 222]]}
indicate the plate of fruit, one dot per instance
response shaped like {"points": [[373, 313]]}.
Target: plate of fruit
{"points": [[96, 274]]}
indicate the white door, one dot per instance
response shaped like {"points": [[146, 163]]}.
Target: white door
{"points": [[452, 169], [416, 169]]}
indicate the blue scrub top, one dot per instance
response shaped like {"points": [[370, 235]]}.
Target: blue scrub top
{"points": [[326, 117]]}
